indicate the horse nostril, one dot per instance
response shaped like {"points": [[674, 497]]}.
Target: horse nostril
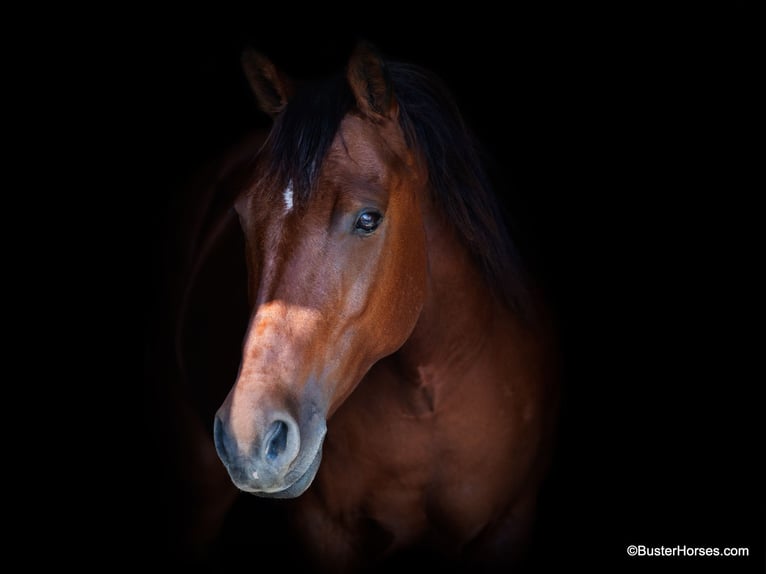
{"points": [[219, 439], [277, 440]]}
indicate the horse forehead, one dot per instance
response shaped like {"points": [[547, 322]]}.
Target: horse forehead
{"points": [[361, 142]]}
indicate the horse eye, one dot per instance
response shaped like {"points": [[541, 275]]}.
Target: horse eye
{"points": [[368, 221]]}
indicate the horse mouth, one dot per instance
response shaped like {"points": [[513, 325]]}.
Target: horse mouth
{"points": [[301, 479], [301, 484]]}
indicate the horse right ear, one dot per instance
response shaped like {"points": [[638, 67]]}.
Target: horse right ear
{"points": [[368, 77], [271, 88]]}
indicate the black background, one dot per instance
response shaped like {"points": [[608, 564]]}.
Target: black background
{"points": [[619, 144]]}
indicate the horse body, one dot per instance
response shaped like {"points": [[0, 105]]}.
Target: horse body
{"points": [[386, 385], [439, 445]]}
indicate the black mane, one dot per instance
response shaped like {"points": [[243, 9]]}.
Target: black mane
{"points": [[431, 122]]}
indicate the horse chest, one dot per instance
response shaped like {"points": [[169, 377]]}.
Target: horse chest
{"points": [[414, 471]]}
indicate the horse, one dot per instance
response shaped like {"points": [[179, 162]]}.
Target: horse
{"points": [[397, 386]]}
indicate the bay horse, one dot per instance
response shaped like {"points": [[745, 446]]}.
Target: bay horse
{"points": [[398, 375]]}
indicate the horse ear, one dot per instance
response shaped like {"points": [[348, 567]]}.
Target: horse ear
{"points": [[271, 88], [369, 80]]}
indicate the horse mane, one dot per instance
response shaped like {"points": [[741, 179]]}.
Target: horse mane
{"points": [[431, 122]]}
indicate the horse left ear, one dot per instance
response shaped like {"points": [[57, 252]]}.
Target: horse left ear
{"points": [[272, 89], [369, 80]]}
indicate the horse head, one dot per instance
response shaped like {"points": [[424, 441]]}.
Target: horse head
{"points": [[337, 266]]}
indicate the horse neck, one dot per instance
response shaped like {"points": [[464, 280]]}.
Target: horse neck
{"points": [[460, 313]]}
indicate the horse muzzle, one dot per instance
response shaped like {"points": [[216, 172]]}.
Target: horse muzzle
{"points": [[276, 462]]}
